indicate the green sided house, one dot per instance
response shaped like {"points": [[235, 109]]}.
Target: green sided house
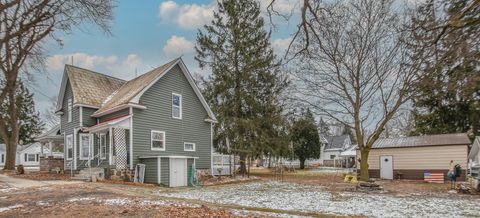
{"points": [[159, 119]]}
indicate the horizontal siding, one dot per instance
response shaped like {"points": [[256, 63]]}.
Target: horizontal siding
{"points": [[114, 115], [67, 127], [151, 170], [431, 157], [158, 116], [88, 120]]}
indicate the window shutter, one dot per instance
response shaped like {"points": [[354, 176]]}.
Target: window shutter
{"points": [[26, 158], [37, 158]]}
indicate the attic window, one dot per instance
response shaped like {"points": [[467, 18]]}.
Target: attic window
{"points": [[176, 106], [69, 108]]}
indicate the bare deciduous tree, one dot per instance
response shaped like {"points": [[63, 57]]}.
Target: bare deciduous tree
{"points": [[357, 68], [24, 26]]}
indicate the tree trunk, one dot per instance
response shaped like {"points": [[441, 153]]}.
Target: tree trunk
{"points": [[11, 147], [302, 163], [364, 164], [243, 166]]}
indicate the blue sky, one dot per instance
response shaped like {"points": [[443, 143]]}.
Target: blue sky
{"points": [[143, 36]]}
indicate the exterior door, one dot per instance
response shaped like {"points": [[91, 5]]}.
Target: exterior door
{"points": [[178, 172], [386, 167]]}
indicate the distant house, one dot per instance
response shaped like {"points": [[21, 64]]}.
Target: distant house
{"points": [[159, 119], [474, 155], [26, 155], [332, 147], [411, 157]]}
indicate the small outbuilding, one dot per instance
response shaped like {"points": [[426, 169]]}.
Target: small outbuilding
{"points": [[412, 157]]}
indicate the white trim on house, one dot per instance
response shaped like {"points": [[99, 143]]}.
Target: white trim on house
{"points": [[190, 80], [179, 106], [85, 105], [159, 170], [185, 143], [163, 140], [80, 117], [61, 94], [66, 147], [119, 108], [69, 110], [103, 154], [81, 135], [75, 131], [131, 137], [110, 144]]}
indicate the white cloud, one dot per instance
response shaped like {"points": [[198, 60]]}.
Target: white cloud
{"points": [[283, 7], [187, 16], [280, 45], [167, 9], [178, 45], [111, 65]]}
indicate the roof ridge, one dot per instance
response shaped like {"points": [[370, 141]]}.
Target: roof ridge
{"points": [[95, 72], [110, 97]]}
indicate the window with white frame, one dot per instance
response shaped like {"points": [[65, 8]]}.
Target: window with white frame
{"points": [[30, 157], [69, 110], [176, 106], [85, 146], [69, 147], [157, 140], [188, 146], [103, 146]]}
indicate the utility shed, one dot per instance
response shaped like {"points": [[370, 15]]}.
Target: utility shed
{"points": [[411, 157]]}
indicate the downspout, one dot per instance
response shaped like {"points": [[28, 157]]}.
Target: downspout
{"points": [[131, 138]]}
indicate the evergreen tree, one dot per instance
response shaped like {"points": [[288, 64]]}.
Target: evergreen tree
{"points": [[29, 119], [305, 139], [448, 99], [245, 84]]}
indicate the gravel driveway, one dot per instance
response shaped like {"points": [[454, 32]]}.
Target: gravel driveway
{"points": [[306, 198]]}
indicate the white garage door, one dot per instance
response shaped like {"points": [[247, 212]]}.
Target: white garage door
{"points": [[178, 172]]}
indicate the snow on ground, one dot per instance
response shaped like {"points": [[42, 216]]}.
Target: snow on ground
{"points": [[126, 201], [306, 198], [3, 209]]}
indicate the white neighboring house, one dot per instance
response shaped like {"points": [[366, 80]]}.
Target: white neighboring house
{"points": [[332, 147], [26, 155], [474, 154]]}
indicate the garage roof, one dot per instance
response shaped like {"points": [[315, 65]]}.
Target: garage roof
{"points": [[426, 140]]}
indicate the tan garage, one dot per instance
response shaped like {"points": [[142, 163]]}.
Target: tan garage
{"points": [[411, 157]]}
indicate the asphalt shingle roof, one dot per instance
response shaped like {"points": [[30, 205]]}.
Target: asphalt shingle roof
{"points": [[89, 87], [130, 89], [335, 142], [426, 140]]}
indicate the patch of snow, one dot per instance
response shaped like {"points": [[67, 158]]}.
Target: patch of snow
{"points": [[307, 198], [117, 201], [42, 203], [10, 189], [81, 199], [3, 209]]}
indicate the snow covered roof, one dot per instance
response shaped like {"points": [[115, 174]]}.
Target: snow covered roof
{"points": [[351, 151], [426, 140], [20, 148], [335, 142]]}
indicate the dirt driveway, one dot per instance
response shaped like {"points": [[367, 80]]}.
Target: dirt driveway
{"points": [[62, 199]]}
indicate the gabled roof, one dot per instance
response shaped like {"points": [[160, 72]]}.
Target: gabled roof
{"points": [[426, 140], [89, 88], [124, 94], [336, 142], [109, 94]]}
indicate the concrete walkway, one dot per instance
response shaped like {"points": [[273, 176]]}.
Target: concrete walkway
{"points": [[26, 183]]}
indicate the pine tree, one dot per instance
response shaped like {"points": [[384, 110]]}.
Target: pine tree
{"points": [[448, 99], [323, 128], [29, 119], [305, 139], [245, 84]]}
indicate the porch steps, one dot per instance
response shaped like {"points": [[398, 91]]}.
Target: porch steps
{"points": [[86, 174]]}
